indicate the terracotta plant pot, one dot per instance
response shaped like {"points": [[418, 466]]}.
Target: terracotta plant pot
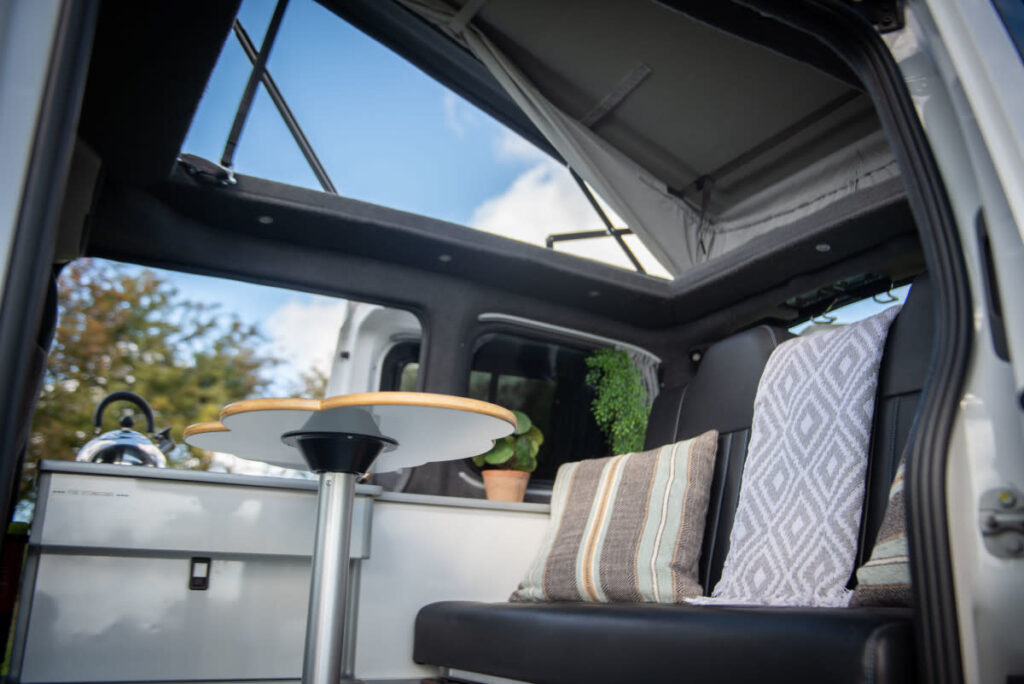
{"points": [[505, 485]]}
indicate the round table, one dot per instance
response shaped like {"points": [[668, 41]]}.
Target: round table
{"points": [[340, 438]]}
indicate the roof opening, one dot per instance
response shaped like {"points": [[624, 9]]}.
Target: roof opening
{"points": [[386, 133]]}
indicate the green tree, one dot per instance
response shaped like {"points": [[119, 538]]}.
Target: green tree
{"points": [[123, 329], [312, 384]]}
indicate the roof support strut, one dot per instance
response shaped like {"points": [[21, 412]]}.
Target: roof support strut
{"points": [[550, 240], [609, 228], [259, 71], [258, 68]]}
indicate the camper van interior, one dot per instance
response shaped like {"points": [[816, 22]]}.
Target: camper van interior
{"points": [[753, 167]]}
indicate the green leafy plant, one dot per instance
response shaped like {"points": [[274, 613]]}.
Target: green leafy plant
{"points": [[621, 405], [518, 451]]}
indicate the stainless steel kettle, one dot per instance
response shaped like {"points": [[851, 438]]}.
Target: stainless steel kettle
{"points": [[125, 446]]}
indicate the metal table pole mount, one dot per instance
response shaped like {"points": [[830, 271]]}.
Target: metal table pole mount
{"points": [[339, 458]]}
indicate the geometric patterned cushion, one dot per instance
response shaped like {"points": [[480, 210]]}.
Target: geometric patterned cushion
{"points": [[884, 580], [794, 538], [626, 528]]}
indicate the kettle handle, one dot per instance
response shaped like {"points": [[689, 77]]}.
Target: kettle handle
{"points": [[124, 395]]}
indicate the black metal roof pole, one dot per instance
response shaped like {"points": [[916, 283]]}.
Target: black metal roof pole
{"points": [[609, 228], [285, 112], [550, 240], [250, 87]]}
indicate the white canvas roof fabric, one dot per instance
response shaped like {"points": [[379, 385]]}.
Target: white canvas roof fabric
{"points": [[669, 227], [663, 222]]}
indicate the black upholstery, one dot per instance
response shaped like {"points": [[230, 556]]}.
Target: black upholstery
{"points": [[720, 397], [900, 379], [617, 643], [663, 423], [593, 643]]}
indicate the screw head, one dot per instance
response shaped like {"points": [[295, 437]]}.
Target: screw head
{"points": [[1007, 499]]}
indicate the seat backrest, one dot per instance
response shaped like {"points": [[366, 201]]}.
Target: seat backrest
{"points": [[905, 365], [719, 397]]}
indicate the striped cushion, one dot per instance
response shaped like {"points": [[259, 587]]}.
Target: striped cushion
{"points": [[626, 528], [885, 579]]}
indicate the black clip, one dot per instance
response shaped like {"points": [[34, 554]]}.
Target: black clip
{"points": [[199, 574]]}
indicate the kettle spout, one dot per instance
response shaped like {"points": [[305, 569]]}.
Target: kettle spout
{"points": [[164, 441]]}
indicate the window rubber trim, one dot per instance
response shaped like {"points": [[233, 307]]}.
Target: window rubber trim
{"points": [[31, 259], [859, 45]]}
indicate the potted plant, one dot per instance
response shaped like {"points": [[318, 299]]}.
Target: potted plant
{"points": [[507, 466], [621, 404]]}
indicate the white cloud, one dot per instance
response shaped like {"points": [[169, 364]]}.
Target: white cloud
{"points": [[542, 200], [458, 114], [512, 147], [451, 114], [545, 199], [304, 335]]}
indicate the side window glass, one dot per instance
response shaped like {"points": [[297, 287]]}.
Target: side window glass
{"points": [[852, 312], [401, 368], [545, 381]]}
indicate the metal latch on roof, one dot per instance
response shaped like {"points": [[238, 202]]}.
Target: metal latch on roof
{"points": [[1002, 522], [206, 170]]}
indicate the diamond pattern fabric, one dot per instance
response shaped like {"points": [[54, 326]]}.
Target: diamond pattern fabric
{"points": [[794, 540]]}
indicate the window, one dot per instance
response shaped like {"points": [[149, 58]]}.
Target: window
{"points": [[545, 381], [853, 312], [388, 134], [401, 368], [190, 344]]}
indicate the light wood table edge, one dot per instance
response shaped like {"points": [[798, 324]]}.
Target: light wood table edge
{"points": [[369, 399]]}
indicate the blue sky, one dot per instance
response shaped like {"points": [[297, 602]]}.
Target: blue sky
{"points": [[385, 132]]}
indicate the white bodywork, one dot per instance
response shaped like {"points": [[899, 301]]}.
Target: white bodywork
{"points": [[948, 54], [27, 31], [367, 335]]}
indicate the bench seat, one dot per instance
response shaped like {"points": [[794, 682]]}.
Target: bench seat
{"points": [[586, 642], [614, 643]]}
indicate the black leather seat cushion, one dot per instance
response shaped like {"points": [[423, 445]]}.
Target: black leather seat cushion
{"points": [[616, 643], [720, 397]]}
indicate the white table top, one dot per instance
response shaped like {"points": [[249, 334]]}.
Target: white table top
{"points": [[427, 427]]}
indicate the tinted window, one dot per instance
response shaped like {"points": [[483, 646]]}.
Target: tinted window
{"points": [[546, 382], [401, 368]]}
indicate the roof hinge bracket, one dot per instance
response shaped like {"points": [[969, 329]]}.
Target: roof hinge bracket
{"points": [[206, 170]]}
